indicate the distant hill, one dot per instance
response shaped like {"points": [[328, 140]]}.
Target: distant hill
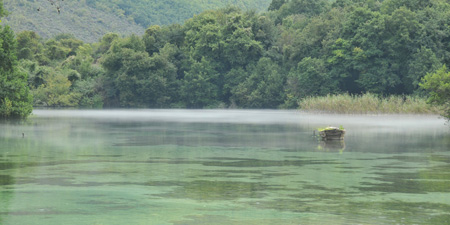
{"points": [[89, 20], [149, 12], [86, 23]]}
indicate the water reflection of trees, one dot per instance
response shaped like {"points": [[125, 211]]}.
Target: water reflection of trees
{"points": [[14, 150], [6, 193]]}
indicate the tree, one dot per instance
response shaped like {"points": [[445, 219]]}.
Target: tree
{"points": [[55, 91], [391, 5], [15, 97], [105, 43], [435, 30], [29, 46], [2, 10], [276, 4], [316, 37], [376, 67], [438, 85], [306, 7], [240, 48], [422, 62], [198, 88], [263, 88], [83, 62], [402, 31], [309, 78], [134, 78], [55, 51], [342, 64], [204, 38], [226, 39]]}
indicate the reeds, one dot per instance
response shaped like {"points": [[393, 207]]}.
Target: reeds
{"points": [[368, 104]]}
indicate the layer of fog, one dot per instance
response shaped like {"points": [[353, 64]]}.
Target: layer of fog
{"points": [[293, 117]]}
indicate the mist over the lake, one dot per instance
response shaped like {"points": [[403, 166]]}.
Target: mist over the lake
{"points": [[293, 117]]}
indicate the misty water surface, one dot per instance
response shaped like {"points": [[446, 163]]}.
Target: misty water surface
{"points": [[222, 167]]}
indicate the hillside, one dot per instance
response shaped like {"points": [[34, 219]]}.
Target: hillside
{"points": [[86, 23], [89, 20], [150, 12]]}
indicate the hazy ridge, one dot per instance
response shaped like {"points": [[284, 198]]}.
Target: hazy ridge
{"points": [[90, 20]]}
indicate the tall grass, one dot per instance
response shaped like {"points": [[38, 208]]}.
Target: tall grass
{"points": [[368, 104]]}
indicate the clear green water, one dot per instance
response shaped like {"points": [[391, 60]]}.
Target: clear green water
{"points": [[222, 167]]}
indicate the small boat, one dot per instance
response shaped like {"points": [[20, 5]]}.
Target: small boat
{"points": [[332, 133]]}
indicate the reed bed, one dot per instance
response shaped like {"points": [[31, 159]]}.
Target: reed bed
{"points": [[368, 104]]}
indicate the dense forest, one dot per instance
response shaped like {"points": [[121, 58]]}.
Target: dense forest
{"points": [[237, 58], [89, 20]]}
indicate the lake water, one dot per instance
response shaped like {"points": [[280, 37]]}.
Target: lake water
{"points": [[222, 167]]}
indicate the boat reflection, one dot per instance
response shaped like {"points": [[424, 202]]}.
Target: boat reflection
{"points": [[331, 145]]}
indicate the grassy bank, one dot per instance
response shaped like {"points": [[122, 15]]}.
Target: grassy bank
{"points": [[368, 104]]}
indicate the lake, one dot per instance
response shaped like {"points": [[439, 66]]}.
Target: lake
{"points": [[222, 167]]}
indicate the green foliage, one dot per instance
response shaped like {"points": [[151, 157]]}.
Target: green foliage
{"points": [[82, 63], [2, 10], [137, 79], [381, 49], [422, 62], [438, 84], [262, 87], [276, 4], [230, 40], [29, 46], [309, 78], [55, 92], [199, 89], [343, 66], [6, 108], [15, 98], [303, 7], [90, 93], [391, 5]]}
